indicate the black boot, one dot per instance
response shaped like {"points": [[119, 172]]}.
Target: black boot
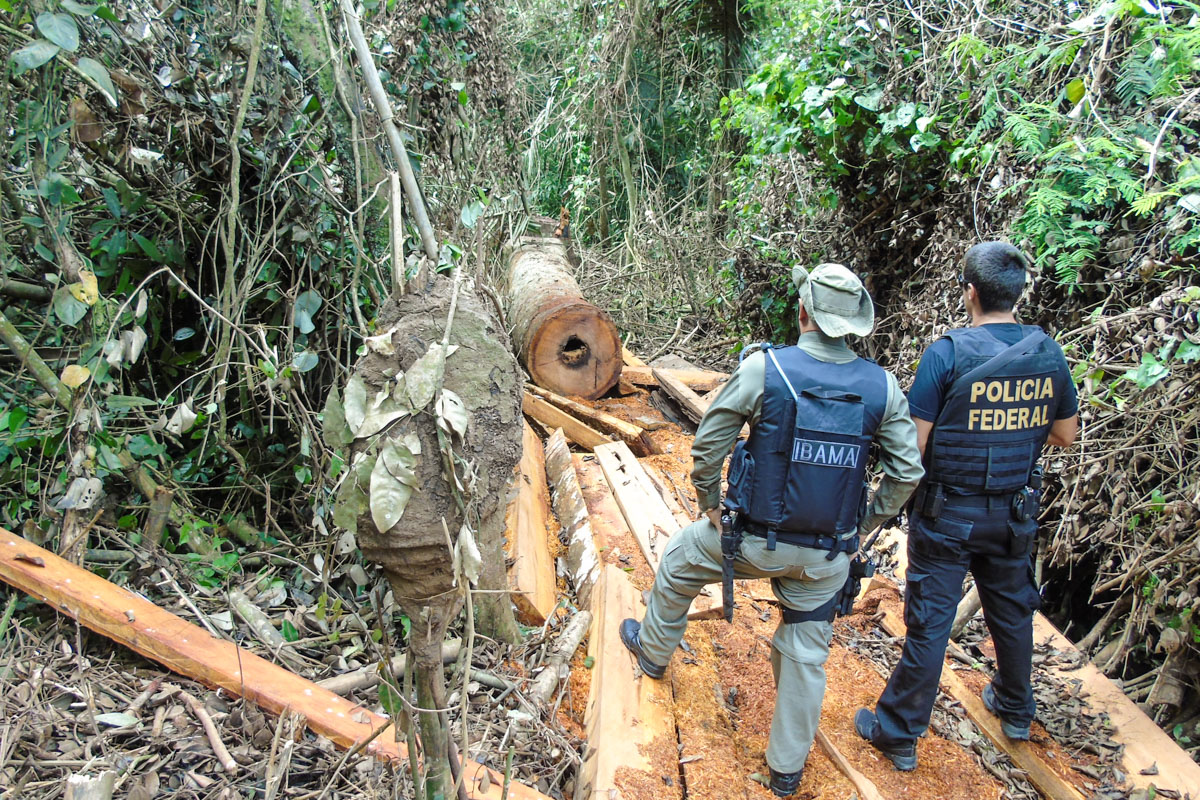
{"points": [[784, 784], [902, 756], [629, 637]]}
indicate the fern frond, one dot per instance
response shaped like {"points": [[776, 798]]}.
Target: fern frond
{"points": [[1026, 133]]}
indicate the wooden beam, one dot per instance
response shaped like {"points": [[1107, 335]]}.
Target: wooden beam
{"points": [[645, 511], [531, 576], [627, 356], [698, 379], [629, 721], [631, 434], [1146, 745], [583, 560], [143, 627], [867, 789], [553, 417], [681, 393], [1023, 755]]}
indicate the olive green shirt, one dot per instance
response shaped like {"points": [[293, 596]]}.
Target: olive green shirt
{"points": [[740, 401]]}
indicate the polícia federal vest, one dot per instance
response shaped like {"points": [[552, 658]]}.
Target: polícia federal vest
{"points": [[989, 434], [802, 469]]}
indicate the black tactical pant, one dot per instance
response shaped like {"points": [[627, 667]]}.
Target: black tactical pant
{"points": [[996, 549]]}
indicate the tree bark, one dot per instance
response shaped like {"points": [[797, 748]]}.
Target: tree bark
{"points": [[568, 345]]}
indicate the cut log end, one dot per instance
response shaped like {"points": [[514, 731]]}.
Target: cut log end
{"points": [[575, 351]]}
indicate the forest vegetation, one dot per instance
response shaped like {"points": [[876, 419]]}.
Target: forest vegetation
{"points": [[200, 232]]}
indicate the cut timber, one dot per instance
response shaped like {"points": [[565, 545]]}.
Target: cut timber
{"points": [[553, 417], [604, 515], [1146, 744], [557, 667], [531, 576], [143, 627], [968, 607], [583, 561], [1039, 773], [637, 439], [699, 380], [630, 727], [627, 356], [568, 345], [681, 393], [644, 509], [867, 790]]}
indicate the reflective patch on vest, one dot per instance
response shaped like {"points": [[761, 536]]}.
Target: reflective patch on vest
{"points": [[1010, 404], [826, 454]]}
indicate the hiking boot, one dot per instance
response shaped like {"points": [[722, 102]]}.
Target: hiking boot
{"points": [[1018, 733], [629, 637], [784, 784], [902, 756]]}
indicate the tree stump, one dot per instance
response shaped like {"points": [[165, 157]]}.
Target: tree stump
{"points": [[568, 345]]}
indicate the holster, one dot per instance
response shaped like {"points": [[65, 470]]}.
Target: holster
{"points": [[731, 541]]}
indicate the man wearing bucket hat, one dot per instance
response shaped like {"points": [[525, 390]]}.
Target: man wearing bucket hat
{"points": [[797, 493]]}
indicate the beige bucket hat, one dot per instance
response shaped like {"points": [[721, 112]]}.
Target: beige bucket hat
{"points": [[835, 299]]}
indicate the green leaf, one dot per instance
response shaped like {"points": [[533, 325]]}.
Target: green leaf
{"points": [[391, 701], [306, 306], [1075, 90], [589, 662], [1150, 372], [60, 29], [905, 114], [869, 100], [68, 310], [470, 213], [105, 13], [1187, 352], [334, 430], [392, 482], [121, 402], [305, 360], [99, 73], [148, 247], [80, 9], [355, 407], [6, 6], [290, 634], [33, 55]]}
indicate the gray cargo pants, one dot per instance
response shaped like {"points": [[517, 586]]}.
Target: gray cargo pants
{"points": [[801, 577]]}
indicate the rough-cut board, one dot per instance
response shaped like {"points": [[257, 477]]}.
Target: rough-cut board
{"points": [[699, 380], [637, 439], [867, 789], [583, 560], [1039, 773], [631, 744], [531, 576], [1146, 744], [681, 393], [143, 627], [642, 506], [630, 359], [568, 345], [553, 417]]}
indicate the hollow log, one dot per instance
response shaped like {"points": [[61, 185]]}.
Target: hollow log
{"points": [[568, 345]]}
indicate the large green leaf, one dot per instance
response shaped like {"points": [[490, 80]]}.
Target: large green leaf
{"points": [[99, 73], [306, 306], [33, 55], [79, 9], [60, 29], [68, 309], [334, 429]]}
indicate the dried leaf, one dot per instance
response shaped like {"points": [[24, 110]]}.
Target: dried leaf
{"points": [[466, 554], [74, 376], [392, 484], [81, 495], [382, 343], [351, 500], [87, 125], [452, 413], [356, 403], [379, 416], [116, 719], [425, 376], [132, 342], [182, 420], [334, 429]]}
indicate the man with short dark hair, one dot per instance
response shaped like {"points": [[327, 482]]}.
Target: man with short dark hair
{"points": [[986, 399], [797, 488]]}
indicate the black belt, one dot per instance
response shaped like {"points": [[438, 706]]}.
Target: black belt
{"points": [[816, 541]]}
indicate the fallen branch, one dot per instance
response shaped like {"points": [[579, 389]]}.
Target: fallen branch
{"points": [[968, 607], [866, 788], [83, 787], [214, 736], [583, 560], [372, 674], [556, 665]]}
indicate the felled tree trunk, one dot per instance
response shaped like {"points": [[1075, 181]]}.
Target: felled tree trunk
{"points": [[433, 435], [568, 345]]}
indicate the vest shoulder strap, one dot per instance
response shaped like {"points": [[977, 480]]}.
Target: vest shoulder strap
{"points": [[997, 362]]}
